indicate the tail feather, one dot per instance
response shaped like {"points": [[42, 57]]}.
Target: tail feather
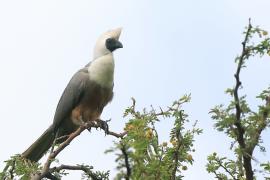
{"points": [[40, 146]]}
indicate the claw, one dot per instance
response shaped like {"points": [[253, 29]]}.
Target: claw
{"points": [[89, 129], [104, 125]]}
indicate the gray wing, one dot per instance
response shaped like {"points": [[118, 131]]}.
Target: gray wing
{"points": [[71, 96]]}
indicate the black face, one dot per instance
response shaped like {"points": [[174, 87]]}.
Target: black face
{"points": [[113, 44]]}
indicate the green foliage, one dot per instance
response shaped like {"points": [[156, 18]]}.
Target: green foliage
{"points": [[266, 169], [223, 168], [238, 121], [19, 167], [142, 156]]}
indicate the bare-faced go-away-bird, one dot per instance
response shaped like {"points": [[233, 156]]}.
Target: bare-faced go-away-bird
{"points": [[87, 93]]}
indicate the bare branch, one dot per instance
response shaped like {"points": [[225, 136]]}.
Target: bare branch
{"points": [[46, 168], [86, 169]]}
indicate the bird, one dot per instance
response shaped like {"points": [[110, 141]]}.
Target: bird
{"points": [[87, 93]]}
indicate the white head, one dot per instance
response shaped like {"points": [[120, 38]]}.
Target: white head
{"points": [[107, 43]]}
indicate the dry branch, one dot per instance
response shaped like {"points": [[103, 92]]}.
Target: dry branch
{"points": [[47, 171]]}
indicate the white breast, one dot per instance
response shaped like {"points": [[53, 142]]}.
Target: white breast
{"points": [[101, 70]]}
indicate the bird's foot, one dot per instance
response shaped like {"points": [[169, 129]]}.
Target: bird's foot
{"points": [[83, 123], [103, 125]]}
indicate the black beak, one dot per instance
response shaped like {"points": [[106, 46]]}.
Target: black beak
{"points": [[118, 44], [113, 44]]}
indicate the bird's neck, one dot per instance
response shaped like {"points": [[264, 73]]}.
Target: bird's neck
{"points": [[101, 70]]}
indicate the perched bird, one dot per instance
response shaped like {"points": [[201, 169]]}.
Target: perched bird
{"points": [[87, 93]]}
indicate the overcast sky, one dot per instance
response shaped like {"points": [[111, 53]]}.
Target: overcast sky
{"points": [[170, 48]]}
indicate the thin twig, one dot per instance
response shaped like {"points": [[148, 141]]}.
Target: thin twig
{"points": [[118, 135], [86, 169], [221, 165]]}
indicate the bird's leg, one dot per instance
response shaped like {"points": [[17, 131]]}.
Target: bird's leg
{"points": [[80, 120], [103, 125], [83, 123]]}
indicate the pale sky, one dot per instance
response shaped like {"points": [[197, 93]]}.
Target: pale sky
{"points": [[170, 48]]}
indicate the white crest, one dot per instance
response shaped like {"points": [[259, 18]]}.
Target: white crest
{"points": [[100, 47]]}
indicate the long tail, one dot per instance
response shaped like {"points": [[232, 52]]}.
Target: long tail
{"points": [[40, 146]]}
